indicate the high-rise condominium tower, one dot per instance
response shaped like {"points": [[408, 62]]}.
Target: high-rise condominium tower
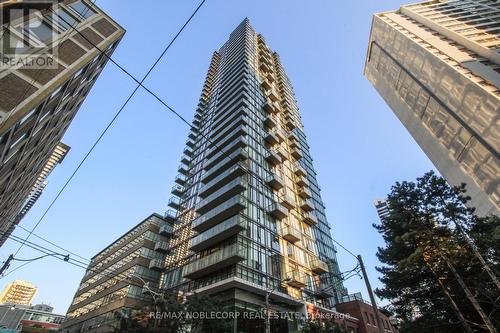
{"points": [[39, 99], [18, 292], [437, 65], [249, 209]]}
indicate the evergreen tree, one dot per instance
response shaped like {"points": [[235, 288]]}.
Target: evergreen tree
{"points": [[427, 234]]}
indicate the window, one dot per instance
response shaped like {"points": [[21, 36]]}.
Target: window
{"points": [[40, 29], [64, 20], [82, 9]]}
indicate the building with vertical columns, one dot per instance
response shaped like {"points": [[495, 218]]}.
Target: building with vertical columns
{"points": [[382, 208], [249, 208], [119, 277], [437, 65], [18, 292], [37, 104]]}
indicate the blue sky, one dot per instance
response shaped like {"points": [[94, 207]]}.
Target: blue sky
{"points": [[359, 147]]}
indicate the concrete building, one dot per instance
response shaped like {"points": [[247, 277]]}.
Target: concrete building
{"points": [[18, 292], [249, 208], [437, 65], [37, 318], [57, 156], [120, 276], [363, 311], [38, 102]]}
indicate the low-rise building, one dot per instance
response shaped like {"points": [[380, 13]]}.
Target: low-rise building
{"points": [[357, 307], [24, 318], [120, 277]]}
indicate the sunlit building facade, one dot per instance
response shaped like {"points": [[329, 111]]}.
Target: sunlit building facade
{"points": [[18, 292], [249, 213], [120, 277], [437, 65]]}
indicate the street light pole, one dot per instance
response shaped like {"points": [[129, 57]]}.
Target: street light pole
{"points": [[268, 294], [153, 294]]}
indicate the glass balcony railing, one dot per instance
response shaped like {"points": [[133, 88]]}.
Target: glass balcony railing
{"points": [[273, 158], [307, 205], [269, 108], [233, 188], [162, 247], [319, 266], [221, 180], [175, 203], [310, 218], [166, 230], [300, 170], [291, 234], [215, 261], [302, 181], [242, 142], [297, 279], [287, 200], [296, 153], [275, 181], [305, 193], [270, 122], [240, 130], [271, 139], [181, 180], [278, 211], [229, 208], [213, 170], [178, 190], [156, 264], [220, 232]]}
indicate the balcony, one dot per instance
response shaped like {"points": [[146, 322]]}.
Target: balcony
{"points": [[217, 234], [297, 280], [270, 122], [310, 218], [288, 201], [213, 167], [296, 153], [269, 108], [215, 154], [162, 247], [235, 187], [192, 136], [265, 85], [196, 122], [307, 205], [319, 266], [325, 291], [215, 261], [237, 157], [184, 170], [270, 77], [291, 123], [291, 234], [166, 230], [156, 265], [302, 181], [271, 139], [178, 190], [220, 213], [280, 135], [305, 193], [190, 143], [229, 132], [221, 180], [264, 67], [277, 211], [273, 158], [175, 203], [275, 181], [188, 152], [292, 136], [300, 170], [181, 180], [272, 95], [185, 159], [282, 152]]}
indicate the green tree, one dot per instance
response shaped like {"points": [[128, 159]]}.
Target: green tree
{"points": [[425, 233]]}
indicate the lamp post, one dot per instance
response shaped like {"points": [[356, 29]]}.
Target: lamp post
{"points": [[153, 293], [268, 294]]}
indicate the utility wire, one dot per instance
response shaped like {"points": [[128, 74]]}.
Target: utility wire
{"points": [[140, 84], [114, 117]]}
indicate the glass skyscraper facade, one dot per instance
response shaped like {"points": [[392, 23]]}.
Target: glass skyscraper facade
{"points": [[247, 206]]}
